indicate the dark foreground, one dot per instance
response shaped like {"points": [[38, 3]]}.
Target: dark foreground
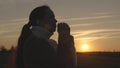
{"points": [[98, 60], [84, 60]]}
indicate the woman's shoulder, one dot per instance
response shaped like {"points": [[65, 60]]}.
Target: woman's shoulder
{"points": [[34, 41], [34, 44]]}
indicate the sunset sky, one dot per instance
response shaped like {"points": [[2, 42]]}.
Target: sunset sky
{"points": [[95, 23]]}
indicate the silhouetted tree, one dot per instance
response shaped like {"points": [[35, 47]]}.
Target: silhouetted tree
{"points": [[3, 57]]}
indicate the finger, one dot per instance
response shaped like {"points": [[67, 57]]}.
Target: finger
{"points": [[63, 26], [60, 26], [66, 26]]}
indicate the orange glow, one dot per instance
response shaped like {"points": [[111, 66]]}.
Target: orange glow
{"points": [[85, 47]]}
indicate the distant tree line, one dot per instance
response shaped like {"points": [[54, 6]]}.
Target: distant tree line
{"points": [[6, 56], [105, 54]]}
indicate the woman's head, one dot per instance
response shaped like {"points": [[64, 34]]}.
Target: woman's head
{"points": [[43, 16]]}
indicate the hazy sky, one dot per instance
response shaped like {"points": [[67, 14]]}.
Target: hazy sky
{"points": [[92, 22]]}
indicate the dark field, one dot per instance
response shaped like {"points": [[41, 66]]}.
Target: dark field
{"points": [[84, 60], [98, 60]]}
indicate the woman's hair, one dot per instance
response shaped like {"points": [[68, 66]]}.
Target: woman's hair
{"points": [[37, 14]]}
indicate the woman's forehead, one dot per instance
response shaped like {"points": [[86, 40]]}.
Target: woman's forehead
{"points": [[50, 12]]}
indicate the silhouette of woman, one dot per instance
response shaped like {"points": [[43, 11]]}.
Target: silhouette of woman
{"points": [[36, 50]]}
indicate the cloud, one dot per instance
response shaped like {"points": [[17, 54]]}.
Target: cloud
{"points": [[91, 35], [86, 18], [12, 23], [20, 19], [14, 20], [90, 38], [87, 32], [11, 28], [5, 2], [103, 13], [15, 1], [76, 25]]}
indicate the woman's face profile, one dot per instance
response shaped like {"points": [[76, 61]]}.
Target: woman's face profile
{"points": [[50, 21]]}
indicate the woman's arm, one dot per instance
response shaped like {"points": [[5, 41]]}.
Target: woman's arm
{"points": [[66, 49]]}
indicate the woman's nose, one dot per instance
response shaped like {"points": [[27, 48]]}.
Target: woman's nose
{"points": [[55, 20]]}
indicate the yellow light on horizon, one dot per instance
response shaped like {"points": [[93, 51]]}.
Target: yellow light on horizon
{"points": [[85, 47]]}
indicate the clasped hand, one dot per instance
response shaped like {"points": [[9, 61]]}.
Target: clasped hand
{"points": [[64, 34]]}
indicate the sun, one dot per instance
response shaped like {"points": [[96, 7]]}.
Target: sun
{"points": [[85, 47]]}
